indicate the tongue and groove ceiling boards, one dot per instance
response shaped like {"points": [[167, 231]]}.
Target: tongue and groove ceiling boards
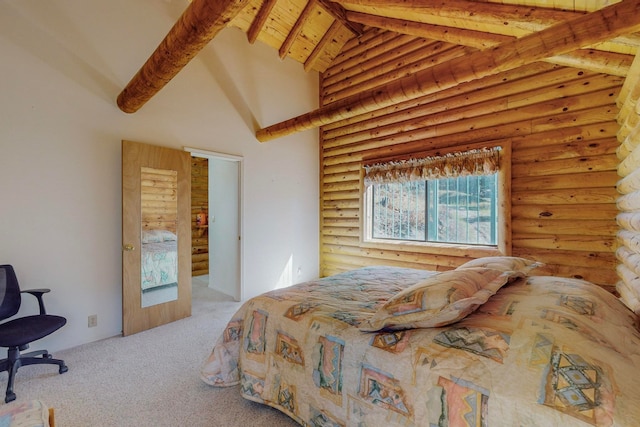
{"points": [[595, 35]]}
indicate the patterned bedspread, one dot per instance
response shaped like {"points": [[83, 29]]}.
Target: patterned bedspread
{"points": [[543, 351], [159, 264]]}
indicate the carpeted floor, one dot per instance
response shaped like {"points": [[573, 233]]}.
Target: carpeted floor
{"points": [[147, 379]]}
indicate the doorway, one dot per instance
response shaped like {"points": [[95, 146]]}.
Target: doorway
{"points": [[222, 222]]}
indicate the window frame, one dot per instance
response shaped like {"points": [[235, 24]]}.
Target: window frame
{"points": [[503, 185]]}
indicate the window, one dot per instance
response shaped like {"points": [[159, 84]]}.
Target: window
{"points": [[448, 199], [449, 210]]}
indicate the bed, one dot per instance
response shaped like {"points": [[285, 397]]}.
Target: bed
{"points": [[486, 344], [159, 266]]}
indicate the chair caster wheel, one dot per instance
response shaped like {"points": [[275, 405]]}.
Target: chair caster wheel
{"points": [[9, 397], [63, 369]]}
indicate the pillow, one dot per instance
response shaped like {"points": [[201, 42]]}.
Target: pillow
{"points": [[502, 263], [157, 236], [167, 235], [151, 236], [439, 300]]}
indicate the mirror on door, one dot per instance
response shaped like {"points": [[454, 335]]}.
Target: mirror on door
{"points": [[158, 228]]}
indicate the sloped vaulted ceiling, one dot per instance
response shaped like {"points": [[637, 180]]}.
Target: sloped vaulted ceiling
{"points": [[592, 34]]}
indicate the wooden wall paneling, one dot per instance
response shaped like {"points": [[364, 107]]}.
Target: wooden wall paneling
{"points": [[388, 70], [494, 82], [159, 199], [549, 182], [199, 203], [629, 202], [592, 59], [630, 163], [629, 276], [576, 243], [435, 137], [485, 90], [576, 211], [630, 91], [629, 221], [479, 115], [629, 183], [629, 143], [357, 66], [613, 20], [561, 124], [354, 51]]}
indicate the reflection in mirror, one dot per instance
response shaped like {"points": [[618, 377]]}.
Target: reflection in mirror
{"points": [[159, 241]]}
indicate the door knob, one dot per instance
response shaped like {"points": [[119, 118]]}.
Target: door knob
{"points": [[128, 247]]}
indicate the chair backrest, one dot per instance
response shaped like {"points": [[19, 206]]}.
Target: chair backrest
{"points": [[9, 292]]}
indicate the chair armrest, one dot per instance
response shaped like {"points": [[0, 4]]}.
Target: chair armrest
{"points": [[38, 294]]}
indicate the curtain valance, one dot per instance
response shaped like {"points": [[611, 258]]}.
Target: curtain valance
{"points": [[483, 161]]}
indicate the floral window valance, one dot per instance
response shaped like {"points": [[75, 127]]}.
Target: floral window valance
{"points": [[484, 161]]}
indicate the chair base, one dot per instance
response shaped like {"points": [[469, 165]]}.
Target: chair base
{"points": [[15, 360]]}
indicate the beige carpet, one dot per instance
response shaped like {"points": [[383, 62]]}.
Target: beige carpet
{"points": [[147, 379]]}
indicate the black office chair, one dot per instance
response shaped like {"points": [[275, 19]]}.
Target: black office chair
{"points": [[16, 334]]}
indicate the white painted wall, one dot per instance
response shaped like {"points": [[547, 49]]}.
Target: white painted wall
{"points": [[63, 64], [224, 227]]}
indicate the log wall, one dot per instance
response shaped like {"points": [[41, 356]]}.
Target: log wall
{"points": [[559, 122], [159, 199], [199, 203], [628, 186]]}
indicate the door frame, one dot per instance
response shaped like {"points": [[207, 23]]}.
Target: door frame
{"points": [[196, 152]]}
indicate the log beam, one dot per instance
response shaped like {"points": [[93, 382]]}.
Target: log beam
{"points": [[260, 20], [611, 21], [592, 60], [297, 28], [461, 36], [517, 19], [339, 14], [326, 39], [197, 26]]}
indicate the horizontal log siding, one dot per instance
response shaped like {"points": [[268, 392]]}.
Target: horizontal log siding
{"points": [[159, 199], [199, 203], [560, 122], [628, 186]]}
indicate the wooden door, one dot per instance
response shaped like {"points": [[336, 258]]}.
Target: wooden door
{"points": [[156, 211]]}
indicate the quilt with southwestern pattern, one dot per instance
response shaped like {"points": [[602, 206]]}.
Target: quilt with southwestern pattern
{"points": [[542, 351]]}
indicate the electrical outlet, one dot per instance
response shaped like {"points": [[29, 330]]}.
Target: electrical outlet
{"points": [[93, 320]]}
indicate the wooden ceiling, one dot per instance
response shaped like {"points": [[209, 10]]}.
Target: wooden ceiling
{"points": [[595, 35], [313, 32]]}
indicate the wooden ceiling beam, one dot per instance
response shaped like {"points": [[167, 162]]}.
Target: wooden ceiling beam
{"points": [[585, 30], [525, 19], [529, 18], [339, 14], [333, 30], [260, 20], [592, 60], [197, 26], [460, 36], [296, 29]]}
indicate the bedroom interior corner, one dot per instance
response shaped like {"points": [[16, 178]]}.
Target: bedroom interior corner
{"points": [[149, 378]]}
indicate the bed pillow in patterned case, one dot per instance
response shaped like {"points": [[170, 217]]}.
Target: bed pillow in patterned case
{"points": [[502, 263], [439, 300], [167, 236], [151, 236]]}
